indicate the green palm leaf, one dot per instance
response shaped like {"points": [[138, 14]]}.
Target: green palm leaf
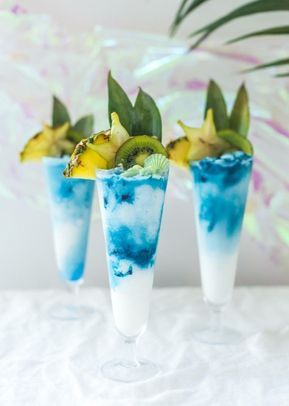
{"points": [[183, 12], [178, 18], [278, 62], [269, 31], [282, 75], [249, 9], [255, 7]]}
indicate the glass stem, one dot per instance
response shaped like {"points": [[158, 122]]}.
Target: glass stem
{"points": [[74, 288], [216, 318], [131, 352]]}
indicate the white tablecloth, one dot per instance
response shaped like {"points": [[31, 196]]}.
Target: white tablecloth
{"points": [[49, 362]]}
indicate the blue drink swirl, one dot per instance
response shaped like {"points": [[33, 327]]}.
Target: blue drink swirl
{"points": [[131, 214], [70, 204], [220, 191]]}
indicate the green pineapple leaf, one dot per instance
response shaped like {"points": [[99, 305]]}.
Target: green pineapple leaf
{"points": [[147, 118], [84, 125], [74, 136], [142, 118], [237, 141], [60, 113], [240, 115], [216, 102], [118, 102]]}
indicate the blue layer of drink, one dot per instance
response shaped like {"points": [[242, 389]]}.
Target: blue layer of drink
{"points": [[131, 213], [70, 203], [220, 191]]}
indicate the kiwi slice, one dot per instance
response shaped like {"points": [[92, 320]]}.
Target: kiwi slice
{"points": [[136, 149]]}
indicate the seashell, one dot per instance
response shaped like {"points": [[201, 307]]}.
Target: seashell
{"points": [[157, 163]]}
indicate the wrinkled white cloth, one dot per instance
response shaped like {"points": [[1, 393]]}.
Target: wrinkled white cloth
{"points": [[50, 362]]}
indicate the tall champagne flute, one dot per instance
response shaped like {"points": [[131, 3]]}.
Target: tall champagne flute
{"points": [[70, 206], [220, 188], [131, 211]]}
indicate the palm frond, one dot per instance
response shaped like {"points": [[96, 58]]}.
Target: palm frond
{"points": [[255, 7], [249, 9], [178, 18], [184, 10], [268, 31], [282, 75], [272, 64]]}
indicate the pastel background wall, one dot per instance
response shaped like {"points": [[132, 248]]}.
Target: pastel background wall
{"points": [[26, 253], [153, 16]]}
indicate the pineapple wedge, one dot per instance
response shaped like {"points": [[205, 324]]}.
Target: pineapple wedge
{"points": [[178, 151], [49, 142], [97, 152], [101, 144], [90, 154]]}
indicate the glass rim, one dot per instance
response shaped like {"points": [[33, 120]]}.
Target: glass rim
{"points": [[109, 173], [214, 160]]}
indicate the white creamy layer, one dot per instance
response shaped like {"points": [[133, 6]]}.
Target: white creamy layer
{"points": [[218, 275], [144, 212], [130, 302], [66, 240]]}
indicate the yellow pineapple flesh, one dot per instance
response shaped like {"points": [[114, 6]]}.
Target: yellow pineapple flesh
{"points": [[178, 151], [96, 152]]}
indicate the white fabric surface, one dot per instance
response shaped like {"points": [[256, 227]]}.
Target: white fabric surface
{"points": [[49, 362]]}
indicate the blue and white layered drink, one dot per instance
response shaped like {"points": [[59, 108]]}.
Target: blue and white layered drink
{"points": [[70, 203], [131, 212], [219, 156], [220, 193], [131, 167]]}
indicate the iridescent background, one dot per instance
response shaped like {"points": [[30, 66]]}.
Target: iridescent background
{"points": [[38, 59]]}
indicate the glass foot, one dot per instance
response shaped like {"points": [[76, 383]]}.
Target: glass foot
{"points": [[124, 371], [223, 336], [70, 312]]}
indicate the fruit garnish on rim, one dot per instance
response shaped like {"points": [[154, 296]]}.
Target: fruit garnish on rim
{"points": [[220, 132], [135, 134], [59, 138]]}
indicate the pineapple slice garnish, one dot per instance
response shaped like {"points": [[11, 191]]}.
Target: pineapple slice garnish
{"points": [[178, 151], [97, 152], [85, 159], [49, 142]]}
